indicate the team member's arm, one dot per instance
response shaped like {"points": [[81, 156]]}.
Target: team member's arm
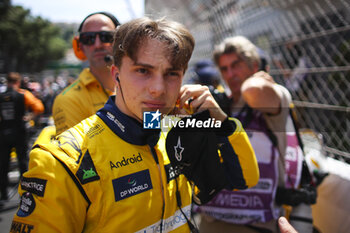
{"points": [[33, 103], [259, 93], [51, 201]]}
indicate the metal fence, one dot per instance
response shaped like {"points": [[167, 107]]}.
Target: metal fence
{"points": [[307, 43]]}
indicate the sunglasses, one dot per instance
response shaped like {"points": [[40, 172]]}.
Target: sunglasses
{"points": [[89, 38]]}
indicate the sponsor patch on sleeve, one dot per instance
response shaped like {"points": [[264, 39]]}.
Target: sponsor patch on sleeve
{"points": [[18, 227], [87, 171], [131, 185], [27, 205], [34, 185]]}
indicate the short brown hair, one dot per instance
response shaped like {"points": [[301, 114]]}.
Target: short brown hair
{"points": [[129, 37], [13, 77], [239, 45]]}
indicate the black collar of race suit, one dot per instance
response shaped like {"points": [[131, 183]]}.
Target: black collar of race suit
{"points": [[126, 127]]}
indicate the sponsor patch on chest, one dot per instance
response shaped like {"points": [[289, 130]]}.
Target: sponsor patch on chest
{"points": [[171, 173], [131, 185], [126, 161]]}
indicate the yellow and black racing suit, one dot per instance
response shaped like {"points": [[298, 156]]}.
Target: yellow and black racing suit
{"points": [[108, 174]]}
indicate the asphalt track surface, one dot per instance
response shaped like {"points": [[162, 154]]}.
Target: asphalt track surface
{"points": [[8, 208]]}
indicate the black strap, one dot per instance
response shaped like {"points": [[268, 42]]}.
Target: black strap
{"points": [[306, 178], [109, 15], [291, 113], [249, 117], [300, 219], [179, 203]]}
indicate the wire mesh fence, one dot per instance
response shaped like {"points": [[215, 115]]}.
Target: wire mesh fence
{"points": [[307, 45]]}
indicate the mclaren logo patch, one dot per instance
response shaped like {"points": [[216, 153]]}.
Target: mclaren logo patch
{"points": [[87, 171], [131, 185]]}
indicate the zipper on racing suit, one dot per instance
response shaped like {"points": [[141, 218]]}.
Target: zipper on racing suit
{"points": [[178, 197], [154, 154]]}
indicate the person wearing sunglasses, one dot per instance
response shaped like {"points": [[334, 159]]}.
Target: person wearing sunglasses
{"points": [[94, 85]]}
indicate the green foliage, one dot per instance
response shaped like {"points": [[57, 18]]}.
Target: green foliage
{"points": [[4, 6], [28, 43], [68, 31]]}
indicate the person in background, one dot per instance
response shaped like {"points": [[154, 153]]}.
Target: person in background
{"points": [[262, 105], [110, 173], [34, 106], [14, 103], [205, 73], [25, 83], [91, 90], [3, 84]]}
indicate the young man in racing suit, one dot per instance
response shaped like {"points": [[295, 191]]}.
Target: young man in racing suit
{"points": [[108, 174]]}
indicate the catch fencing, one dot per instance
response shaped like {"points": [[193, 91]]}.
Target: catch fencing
{"points": [[307, 45]]}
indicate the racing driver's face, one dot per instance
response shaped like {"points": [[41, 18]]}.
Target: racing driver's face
{"points": [[149, 83]]}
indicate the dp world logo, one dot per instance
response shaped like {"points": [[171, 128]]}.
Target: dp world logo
{"points": [[151, 120]]}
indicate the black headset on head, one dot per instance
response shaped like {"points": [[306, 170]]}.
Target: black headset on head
{"points": [[109, 15]]}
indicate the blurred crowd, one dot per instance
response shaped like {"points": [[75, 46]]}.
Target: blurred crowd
{"points": [[25, 108], [45, 90]]}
